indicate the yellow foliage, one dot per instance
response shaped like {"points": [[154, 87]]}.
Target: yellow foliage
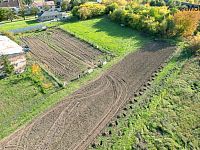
{"points": [[47, 85], [186, 22], [194, 44], [35, 68], [119, 2]]}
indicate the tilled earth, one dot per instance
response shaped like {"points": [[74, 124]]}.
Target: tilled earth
{"points": [[64, 55], [77, 120]]}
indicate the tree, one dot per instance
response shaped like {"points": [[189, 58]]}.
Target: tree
{"points": [[186, 22], [22, 13], [64, 5], [34, 11], [77, 2], [8, 68], [27, 2], [11, 15], [4, 14]]}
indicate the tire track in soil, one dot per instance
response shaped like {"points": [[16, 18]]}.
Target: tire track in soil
{"points": [[94, 105]]}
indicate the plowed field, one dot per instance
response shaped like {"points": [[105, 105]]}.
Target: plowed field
{"points": [[78, 119], [64, 55]]}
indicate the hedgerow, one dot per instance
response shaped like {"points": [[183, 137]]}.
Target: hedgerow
{"points": [[88, 10]]}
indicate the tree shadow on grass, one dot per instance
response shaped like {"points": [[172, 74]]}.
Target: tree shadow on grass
{"points": [[31, 22], [116, 30]]}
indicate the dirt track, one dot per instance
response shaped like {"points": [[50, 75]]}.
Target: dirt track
{"points": [[73, 123]]}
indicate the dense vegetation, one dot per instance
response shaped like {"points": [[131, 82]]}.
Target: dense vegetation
{"points": [[87, 11], [159, 21]]}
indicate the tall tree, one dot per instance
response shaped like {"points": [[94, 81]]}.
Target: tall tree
{"points": [[22, 13], [34, 11], [11, 15]]}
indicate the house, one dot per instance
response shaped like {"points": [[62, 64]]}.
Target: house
{"points": [[14, 52], [13, 4], [41, 5], [51, 15]]}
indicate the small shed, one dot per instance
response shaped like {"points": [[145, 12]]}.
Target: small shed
{"points": [[14, 52]]}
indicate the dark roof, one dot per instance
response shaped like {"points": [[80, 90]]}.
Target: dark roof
{"points": [[9, 3]]}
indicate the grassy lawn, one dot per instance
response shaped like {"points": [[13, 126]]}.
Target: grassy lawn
{"points": [[106, 35], [25, 23], [18, 24], [166, 116]]}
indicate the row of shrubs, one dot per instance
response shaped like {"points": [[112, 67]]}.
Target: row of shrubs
{"points": [[158, 21], [88, 10]]}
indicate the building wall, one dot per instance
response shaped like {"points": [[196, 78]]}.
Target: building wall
{"points": [[19, 62]]}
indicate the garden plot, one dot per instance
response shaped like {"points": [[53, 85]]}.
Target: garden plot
{"points": [[62, 54]]}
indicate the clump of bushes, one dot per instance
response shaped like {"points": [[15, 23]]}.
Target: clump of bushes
{"points": [[89, 10], [153, 20], [159, 21], [186, 22], [36, 75], [118, 2], [111, 7], [8, 68], [194, 44]]}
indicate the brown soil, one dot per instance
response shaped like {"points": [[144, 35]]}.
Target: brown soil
{"points": [[77, 120], [63, 54]]}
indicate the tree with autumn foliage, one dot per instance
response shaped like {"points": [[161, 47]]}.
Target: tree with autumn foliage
{"points": [[185, 23]]}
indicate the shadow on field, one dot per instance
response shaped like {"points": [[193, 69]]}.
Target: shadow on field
{"points": [[31, 21], [114, 29]]}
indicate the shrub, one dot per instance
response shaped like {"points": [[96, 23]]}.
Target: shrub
{"points": [[186, 22], [8, 68], [111, 7], [118, 15], [194, 44], [119, 2], [157, 3], [88, 10], [153, 20]]}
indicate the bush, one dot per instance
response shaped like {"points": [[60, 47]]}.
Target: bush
{"points": [[88, 10], [8, 68], [119, 2], [153, 20], [111, 7], [157, 3], [194, 44], [186, 22]]}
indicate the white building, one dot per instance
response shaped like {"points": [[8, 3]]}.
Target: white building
{"points": [[51, 15], [14, 52]]}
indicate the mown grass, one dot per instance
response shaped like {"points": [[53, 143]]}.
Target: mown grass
{"points": [[18, 24], [167, 115], [7, 26], [21, 101], [106, 35]]}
